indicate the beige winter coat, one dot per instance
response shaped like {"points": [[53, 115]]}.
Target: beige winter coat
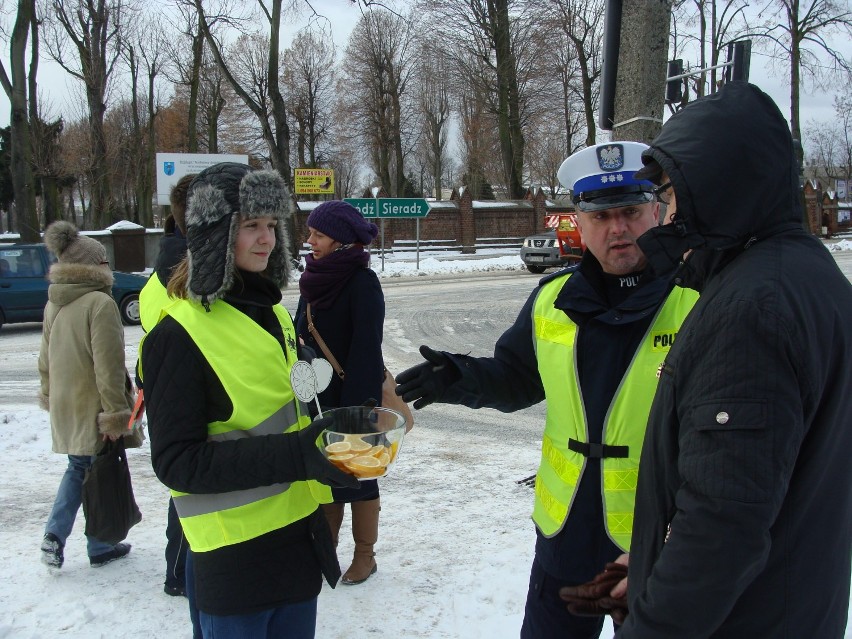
{"points": [[84, 383]]}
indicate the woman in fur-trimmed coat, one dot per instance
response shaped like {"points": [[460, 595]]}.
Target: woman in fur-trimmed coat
{"points": [[84, 384]]}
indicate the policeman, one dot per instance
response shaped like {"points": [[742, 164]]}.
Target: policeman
{"points": [[589, 340]]}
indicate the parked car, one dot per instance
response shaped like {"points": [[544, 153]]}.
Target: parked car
{"points": [[23, 285], [541, 251]]}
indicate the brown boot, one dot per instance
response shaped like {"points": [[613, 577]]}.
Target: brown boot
{"points": [[365, 530], [334, 515]]}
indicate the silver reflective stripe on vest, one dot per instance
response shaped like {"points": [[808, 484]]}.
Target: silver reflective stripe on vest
{"points": [[192, 505], [275, 424]]}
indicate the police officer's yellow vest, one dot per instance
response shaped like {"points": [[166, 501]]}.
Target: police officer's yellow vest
{"points": [[153, 298], [562, 464], [264, 404]]}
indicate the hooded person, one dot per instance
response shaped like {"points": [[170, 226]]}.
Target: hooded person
{"points": [[744, 499], [84, 384], [342, 302], [229, 437]]}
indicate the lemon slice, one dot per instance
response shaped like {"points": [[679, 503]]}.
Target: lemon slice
{"points": [[384, 459], [359, 446], [375, 451], [337, 448]]}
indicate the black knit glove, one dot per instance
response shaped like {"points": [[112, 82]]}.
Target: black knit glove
{"points": [[425, 383], [316, 466]]}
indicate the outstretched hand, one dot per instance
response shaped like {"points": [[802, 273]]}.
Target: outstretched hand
{"points": [[425, 383]]}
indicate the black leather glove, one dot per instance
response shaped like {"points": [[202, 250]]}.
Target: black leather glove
{"points": [[592, 599], [316, 465], [425, 383]]}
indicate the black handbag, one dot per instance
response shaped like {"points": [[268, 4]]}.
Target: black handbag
{"points": [[108, 502]]}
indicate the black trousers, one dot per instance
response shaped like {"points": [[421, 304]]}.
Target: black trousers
{"points": [[176, 546], [545, 615]]}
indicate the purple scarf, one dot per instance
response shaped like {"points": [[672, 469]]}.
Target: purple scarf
{"points": [[324, 278]]}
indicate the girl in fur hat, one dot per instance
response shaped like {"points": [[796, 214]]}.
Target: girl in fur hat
{"points": [[228, 436]]}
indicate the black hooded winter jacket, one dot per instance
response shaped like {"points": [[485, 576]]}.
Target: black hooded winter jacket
{"points": [[743, 523]]}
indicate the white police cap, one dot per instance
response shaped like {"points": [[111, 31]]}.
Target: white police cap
{"points": [[602, 176]]}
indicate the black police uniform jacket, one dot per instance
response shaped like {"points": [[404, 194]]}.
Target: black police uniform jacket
{"points": [[612, 318], [744, 504]]}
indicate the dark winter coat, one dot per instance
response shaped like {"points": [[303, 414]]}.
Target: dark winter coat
{"points": [[183, 395], [172, 251], [744, 500], [352, 329], [609, 332]]}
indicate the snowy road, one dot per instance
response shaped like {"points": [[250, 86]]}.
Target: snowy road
{"points": [[455, 543]]}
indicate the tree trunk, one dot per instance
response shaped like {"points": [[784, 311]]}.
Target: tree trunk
{"points": [[641, 70], [195, 74], [23, 182], [508, 116]]}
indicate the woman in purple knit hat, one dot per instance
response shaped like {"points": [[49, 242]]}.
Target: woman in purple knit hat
{"points": [[348, 310]]}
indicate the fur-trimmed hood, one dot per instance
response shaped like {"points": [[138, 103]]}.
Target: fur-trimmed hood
{"points": [[219, 197], [71, 281]]}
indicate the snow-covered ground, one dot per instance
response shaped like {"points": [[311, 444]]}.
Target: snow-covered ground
{"points": [[454, 550]]}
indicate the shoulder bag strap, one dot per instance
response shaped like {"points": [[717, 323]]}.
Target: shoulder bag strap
{"points": [[313, 331]]}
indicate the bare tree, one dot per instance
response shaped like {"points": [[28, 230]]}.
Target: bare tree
{"points": [[309, 78], [375, 76], [268, 107], [479, 37], [186, 56], [580, 23], [831, 142], [16, 88], [93, 29], [145, 54], [800, 32], [434, 97]]}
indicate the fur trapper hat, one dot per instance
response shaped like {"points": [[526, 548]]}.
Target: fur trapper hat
{"points": [[342, 222], [219, 198], [64, 240]]}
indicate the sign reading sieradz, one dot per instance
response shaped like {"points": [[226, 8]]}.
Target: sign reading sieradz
{"points": [[398, 207], [314, 180]]}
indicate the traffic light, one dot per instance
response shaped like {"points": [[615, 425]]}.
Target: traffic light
{"points": [[674, 88], [739, 54]]}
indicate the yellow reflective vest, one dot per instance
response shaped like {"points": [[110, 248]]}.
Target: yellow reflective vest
{"points": [[153, 298], [252, 368], [565, 444]]}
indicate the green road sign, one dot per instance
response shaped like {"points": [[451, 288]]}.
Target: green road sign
{"points": [[366, 205], [403, 207]]}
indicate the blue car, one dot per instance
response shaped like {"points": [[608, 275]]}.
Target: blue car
{"points": [[23, 285]]}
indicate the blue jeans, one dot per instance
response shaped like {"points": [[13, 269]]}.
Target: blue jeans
{"points": [[69, 497], [291, 621]]}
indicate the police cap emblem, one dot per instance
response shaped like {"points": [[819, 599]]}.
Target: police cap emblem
{"points": [[610, 157]]}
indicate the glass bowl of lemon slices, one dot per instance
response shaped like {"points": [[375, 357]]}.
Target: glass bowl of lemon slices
{"points": [[363, 441]]}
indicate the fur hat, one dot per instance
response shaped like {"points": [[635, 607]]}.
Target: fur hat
{"points": [[64, 240], [342, 222], [218, 199]]}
